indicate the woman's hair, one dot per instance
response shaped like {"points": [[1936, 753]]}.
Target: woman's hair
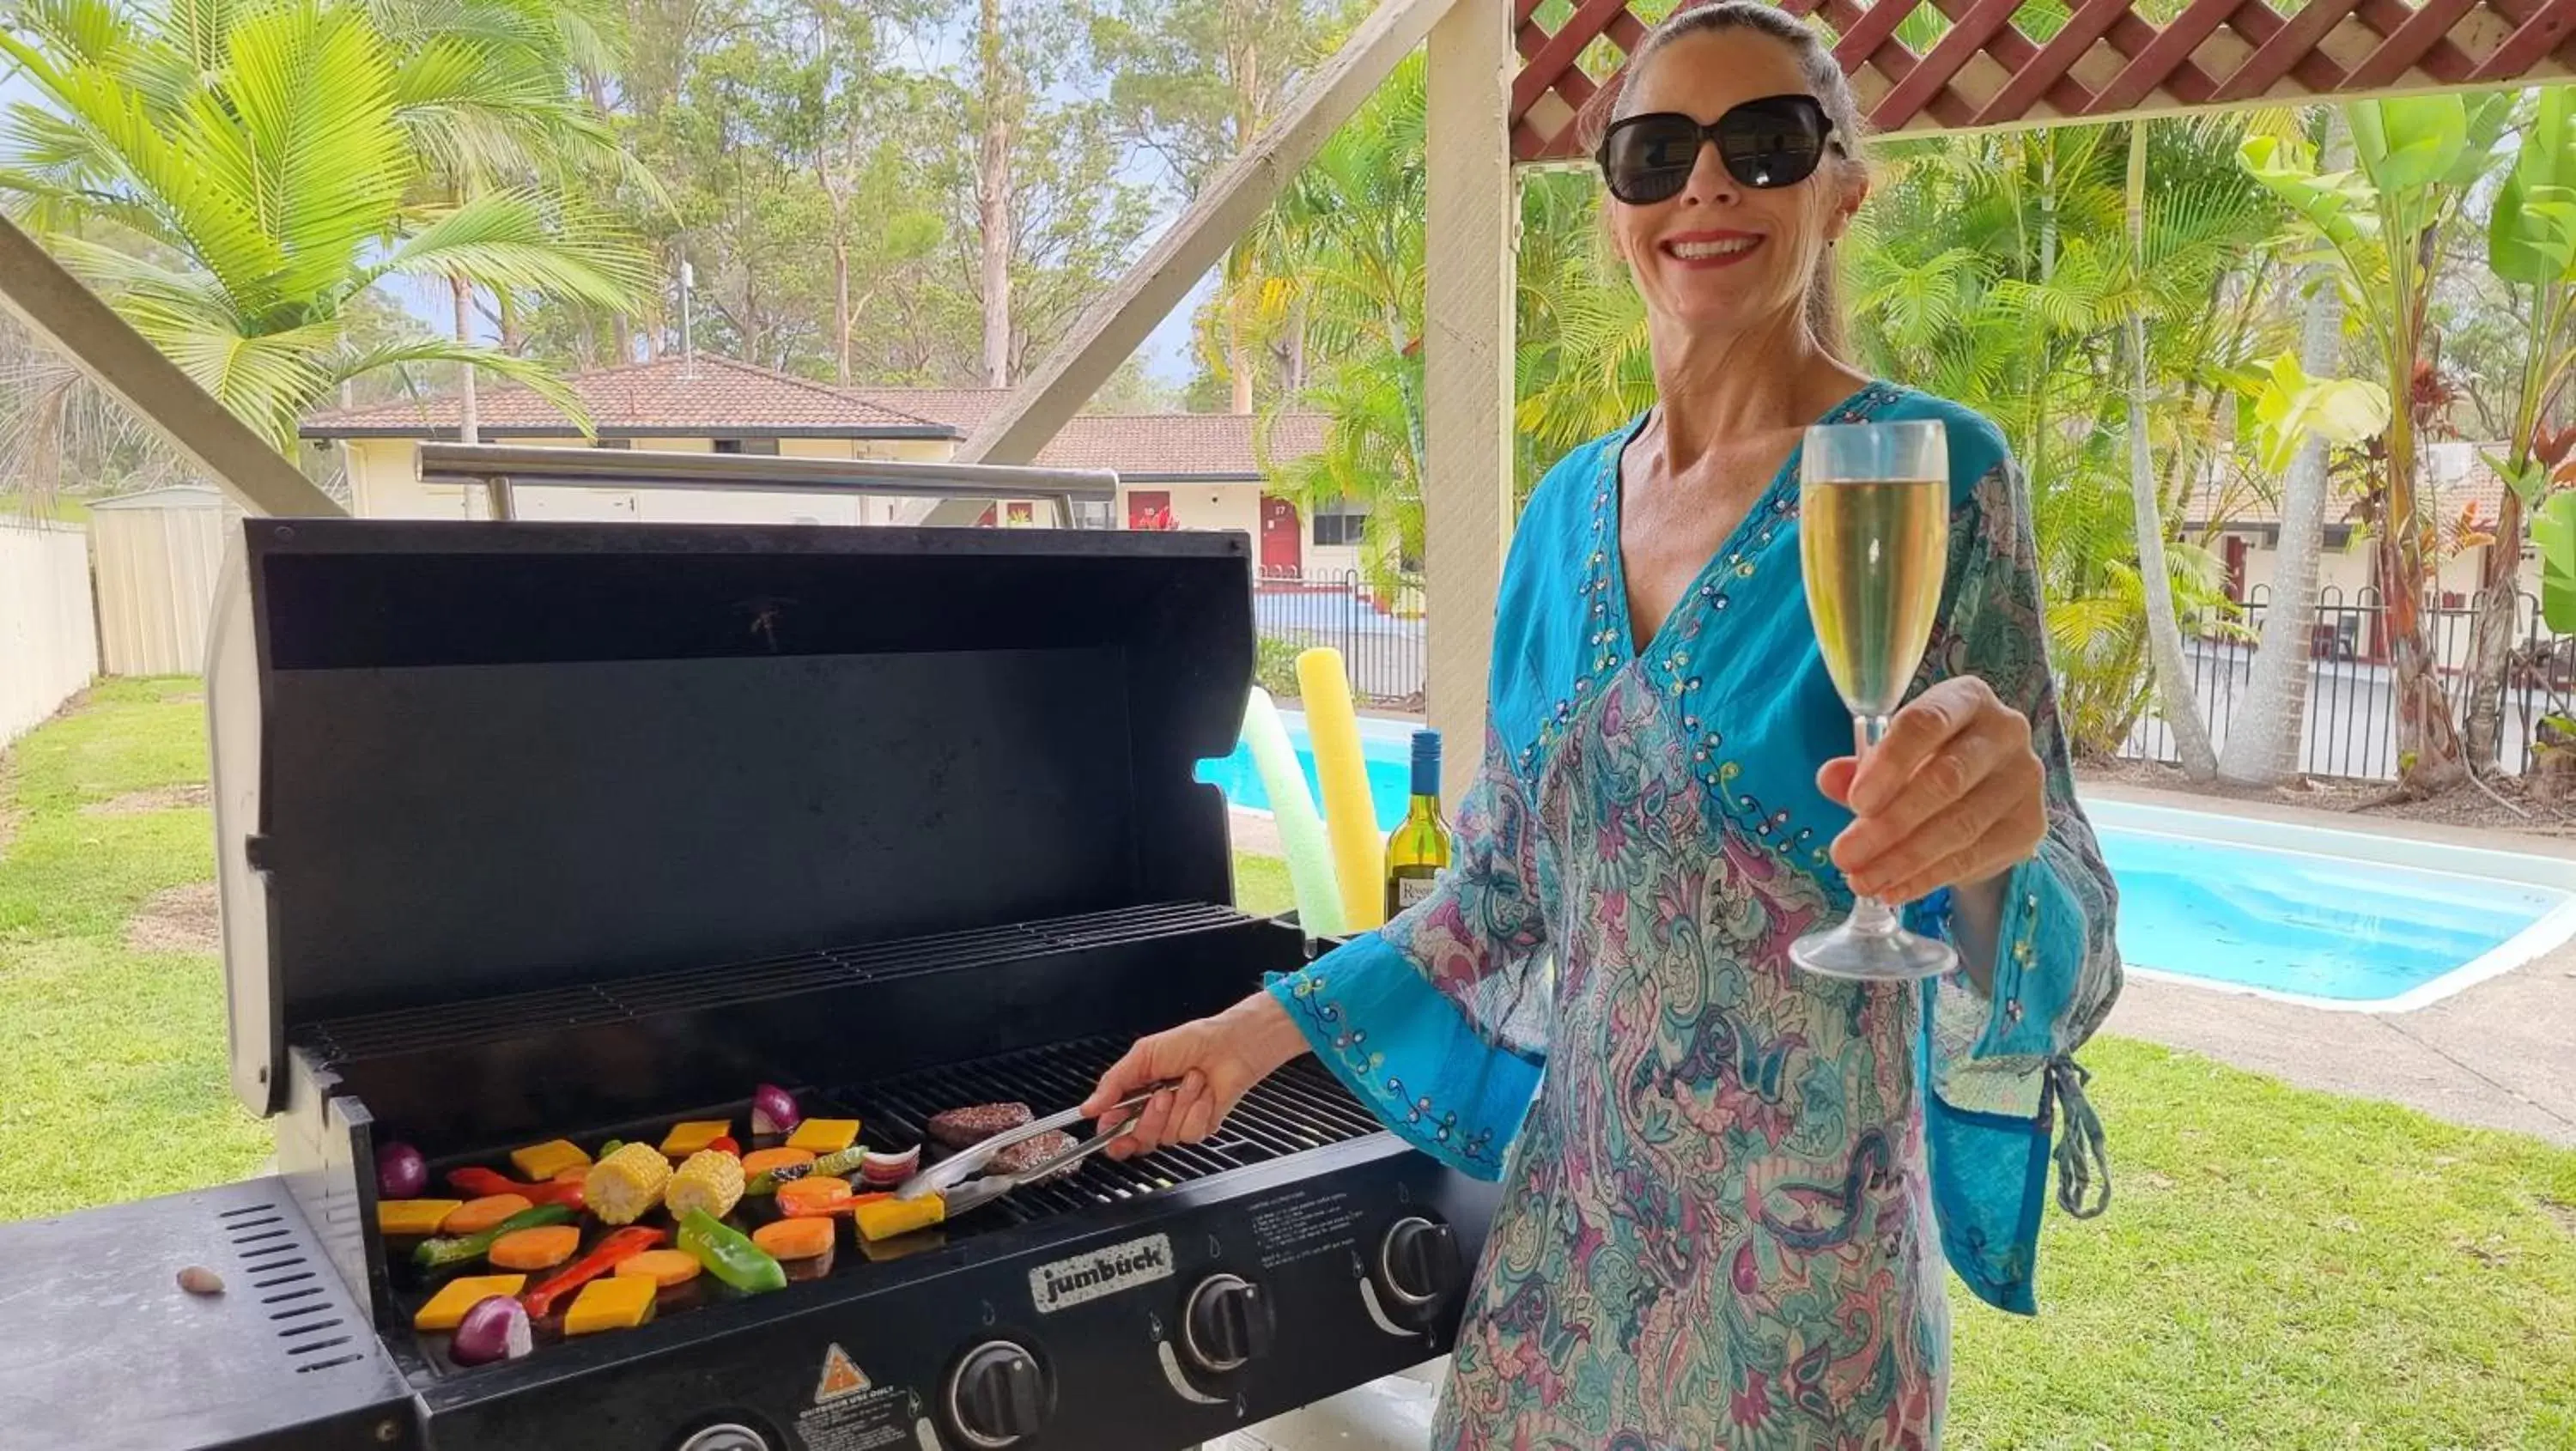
{"points": [[1825, 79]]}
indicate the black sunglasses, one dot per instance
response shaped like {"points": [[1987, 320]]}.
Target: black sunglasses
{"points": [[1773, 142]]}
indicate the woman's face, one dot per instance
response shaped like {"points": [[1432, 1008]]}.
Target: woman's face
{"points": [[1721, 256]]}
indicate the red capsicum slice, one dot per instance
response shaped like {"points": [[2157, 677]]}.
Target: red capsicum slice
{"points": [[480, 1182], [724, 1144], [607, 1255]]}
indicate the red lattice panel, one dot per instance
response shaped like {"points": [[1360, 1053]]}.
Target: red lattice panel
{"points": [[2107, 61]]}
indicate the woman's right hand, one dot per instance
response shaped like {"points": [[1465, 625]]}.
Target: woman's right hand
{"points": [[1215, 1061]]}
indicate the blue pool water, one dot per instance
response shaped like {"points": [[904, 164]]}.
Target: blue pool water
{"points": [[2286, 922]]}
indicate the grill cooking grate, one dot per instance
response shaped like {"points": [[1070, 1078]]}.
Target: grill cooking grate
{"points": [[483, 1020], [1300, 1107]]}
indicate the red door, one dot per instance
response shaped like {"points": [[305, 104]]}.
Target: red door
{"points": [[1282, 550], [2234, 553], [1149, 509]]}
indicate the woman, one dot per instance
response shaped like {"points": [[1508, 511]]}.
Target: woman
{"points": [[1723, 1196]]}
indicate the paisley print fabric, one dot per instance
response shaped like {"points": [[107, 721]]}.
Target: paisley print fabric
{"points": [[1728, 1187]]}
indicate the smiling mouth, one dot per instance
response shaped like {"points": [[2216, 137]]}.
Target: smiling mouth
{"points": [[1715, 249]]}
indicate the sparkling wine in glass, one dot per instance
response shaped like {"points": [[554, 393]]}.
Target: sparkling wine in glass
{"points": [[1874, 525]]}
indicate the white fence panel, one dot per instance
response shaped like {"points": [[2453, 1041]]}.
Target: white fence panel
{"points": [[48, 635]]}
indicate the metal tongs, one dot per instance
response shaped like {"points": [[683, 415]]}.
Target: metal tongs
{"points": [[976, 1193], [950, 1173]]}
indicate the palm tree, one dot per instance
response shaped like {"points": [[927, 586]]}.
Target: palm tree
{"points": [[1984, 270], [1350, 231], [235, 178], [2263, 738], [520, 124], [2174, 691]]}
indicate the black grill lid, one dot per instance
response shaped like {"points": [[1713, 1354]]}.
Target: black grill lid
{"points": [[460, 759]]}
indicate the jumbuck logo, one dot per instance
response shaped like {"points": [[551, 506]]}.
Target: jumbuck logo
{"points": [[1087, 1277]]}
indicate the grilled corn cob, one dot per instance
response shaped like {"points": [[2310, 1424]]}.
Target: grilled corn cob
{"points": [[625, 1186], [711, 1180]]}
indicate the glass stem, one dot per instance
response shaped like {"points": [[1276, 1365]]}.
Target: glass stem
{"points": [[1870, 917]]}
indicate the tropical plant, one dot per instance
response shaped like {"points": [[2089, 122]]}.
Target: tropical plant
{"points": [[1995, 270], [2417, 159], [234, 178], [2531, 243], [520, 128], [2170, 671], [2299, 413], [1351, 228]]}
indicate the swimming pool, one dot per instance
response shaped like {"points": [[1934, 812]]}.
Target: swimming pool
{"points": [[2328, 919]]}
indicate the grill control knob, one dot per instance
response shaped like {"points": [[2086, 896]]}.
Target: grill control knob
{"points": [[726, 1437], [1229, 1322], [997, 1396], [1419, 1261]]}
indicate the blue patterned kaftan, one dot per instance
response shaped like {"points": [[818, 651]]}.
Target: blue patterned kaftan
{"points": [[1728, 1185]]}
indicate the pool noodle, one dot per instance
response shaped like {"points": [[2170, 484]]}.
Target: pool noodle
{"points": [[1292, 809], [1359, 854]]}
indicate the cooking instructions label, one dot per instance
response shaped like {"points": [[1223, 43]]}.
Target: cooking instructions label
{"points": [[1087, 1277], [1302, 1225], [868, 1420], [852, 1412]]}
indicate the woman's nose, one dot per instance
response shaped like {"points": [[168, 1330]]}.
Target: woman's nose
{"points": [[1710, 181]]}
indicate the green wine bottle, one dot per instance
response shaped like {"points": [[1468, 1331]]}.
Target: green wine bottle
{"points": [[1418, 851]]}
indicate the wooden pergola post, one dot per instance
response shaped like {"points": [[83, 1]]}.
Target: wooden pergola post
{"points": [[1472, 217]]}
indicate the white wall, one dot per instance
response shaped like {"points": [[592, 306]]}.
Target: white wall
{"points": [[384, 476], [48, 637]]}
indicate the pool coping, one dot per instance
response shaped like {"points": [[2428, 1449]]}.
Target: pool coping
{"points": [[2534, 862]]}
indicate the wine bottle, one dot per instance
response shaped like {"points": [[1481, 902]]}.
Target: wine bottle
{"points": [[1418, 850]]}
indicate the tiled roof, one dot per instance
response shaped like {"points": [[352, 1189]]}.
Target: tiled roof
{"points": [[1148, 446], [2457, 475], [963, 409], [670, 396], [1142, 445]]}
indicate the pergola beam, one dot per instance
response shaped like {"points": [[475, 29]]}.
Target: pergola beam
{"points": [[57, 307], [2105, 61]]}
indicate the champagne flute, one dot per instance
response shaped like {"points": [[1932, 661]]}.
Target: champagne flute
{"points": [[1874, 525]]}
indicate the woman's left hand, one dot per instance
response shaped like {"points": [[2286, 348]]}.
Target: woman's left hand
{"points": [[1952, 796]]}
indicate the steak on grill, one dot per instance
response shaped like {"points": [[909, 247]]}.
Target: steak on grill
{"points": [[1021, 1157], [964, 1128]]}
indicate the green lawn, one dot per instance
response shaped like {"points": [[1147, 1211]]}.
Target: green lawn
{"points": [[114, 1059], [2281, 1269]]}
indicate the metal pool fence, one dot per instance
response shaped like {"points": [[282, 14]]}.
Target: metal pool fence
{"points": [[2350, 728], [1377, 629]]}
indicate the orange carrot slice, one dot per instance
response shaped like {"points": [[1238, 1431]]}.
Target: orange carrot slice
{"points": [[664, 1267], [795, 1239], [761, 1161], [541, 1248], [477, 1215], [813, 1194]]}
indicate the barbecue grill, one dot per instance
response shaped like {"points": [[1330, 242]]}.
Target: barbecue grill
{"points": [[531, 831]]}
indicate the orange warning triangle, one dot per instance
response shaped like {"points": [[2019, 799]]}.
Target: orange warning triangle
{"points": [[841, 1376]]}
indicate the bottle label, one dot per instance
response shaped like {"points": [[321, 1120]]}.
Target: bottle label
{"points": [[1411, 890]]}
